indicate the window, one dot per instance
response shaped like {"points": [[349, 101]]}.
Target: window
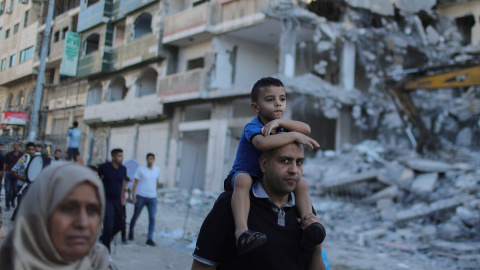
{"points": [[7, 33], [51, 76], [20, 99], [25, 20], [56, 36], [3, 64], [91, 44], [26, 54], [64, 32], [91, 2], [12, 60], [9, 102], [2, 7], [195, 63], [142, 26], [15, 28]]}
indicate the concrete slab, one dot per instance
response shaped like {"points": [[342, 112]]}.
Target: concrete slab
{"points": [[350, 179], [427, 210], [386, 193], [424, 183], [428, 165], [458, 248]]}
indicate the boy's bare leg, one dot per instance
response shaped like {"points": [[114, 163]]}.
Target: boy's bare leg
{"points": [[313, 231], [241, 202], [303, 200]]}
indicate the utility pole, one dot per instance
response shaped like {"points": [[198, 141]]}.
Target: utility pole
{"points": [[32, 131]]}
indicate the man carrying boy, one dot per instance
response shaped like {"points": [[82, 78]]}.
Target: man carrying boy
{"points": [[273, 211], [269, 102]]}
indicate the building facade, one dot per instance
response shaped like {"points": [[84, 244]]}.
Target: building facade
{"points": [[173, 77]]}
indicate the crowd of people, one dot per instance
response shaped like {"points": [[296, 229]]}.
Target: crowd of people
{"points": [[69, 214]]}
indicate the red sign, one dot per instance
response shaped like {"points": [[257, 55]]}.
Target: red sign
{"points": [[14, 118]]}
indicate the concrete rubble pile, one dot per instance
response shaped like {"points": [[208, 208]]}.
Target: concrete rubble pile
{"points": [[392, 39], [394, 198]]}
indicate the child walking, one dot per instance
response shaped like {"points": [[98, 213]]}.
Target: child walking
{"points": [[265, 132]]}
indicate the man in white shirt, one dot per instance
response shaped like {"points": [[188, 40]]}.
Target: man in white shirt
{"points": [[145, 194]]}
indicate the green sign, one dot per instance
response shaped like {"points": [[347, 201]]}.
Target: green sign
{"points": [[71, 50]]}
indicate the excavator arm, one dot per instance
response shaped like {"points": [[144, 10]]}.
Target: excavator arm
{"points": [[463, 77]]}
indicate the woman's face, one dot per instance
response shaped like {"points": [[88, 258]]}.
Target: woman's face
{"points": [[74, 223]]}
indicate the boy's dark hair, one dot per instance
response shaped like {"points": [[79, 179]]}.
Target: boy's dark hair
{"points": [[116, 151], [1, 144], [262, 83], [75, 124], [39, 145], [151, 155], [58, 150], [29, 144]]}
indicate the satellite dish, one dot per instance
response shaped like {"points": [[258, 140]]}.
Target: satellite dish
{"points": [[34, 168]]}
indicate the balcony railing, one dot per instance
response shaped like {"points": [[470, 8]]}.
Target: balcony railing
{"points": [[186, 82], [121, 110], [231, 11], [187, 23], [135, 51], [90, 64]]}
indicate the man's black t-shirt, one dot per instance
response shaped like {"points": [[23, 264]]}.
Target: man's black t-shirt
{"points": [[216, 241], [112, 180]]}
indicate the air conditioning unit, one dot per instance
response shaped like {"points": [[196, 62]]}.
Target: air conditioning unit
{"points": [[9, 10]]}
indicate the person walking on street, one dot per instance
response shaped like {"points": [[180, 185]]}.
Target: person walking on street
{"points": [[145, 194], [113, 175], [2, 166], [11, 186], [74, 135]]}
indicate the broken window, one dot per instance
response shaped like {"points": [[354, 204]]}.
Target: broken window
{"points": [[117, 89], [465, 25], [147, 83], [94, 95], [142, 26], [332, 10], [195, 63], [9, 102], [20, 99], [91, 43], [29, 100]]}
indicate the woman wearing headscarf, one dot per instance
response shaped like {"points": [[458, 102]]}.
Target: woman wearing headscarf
{"points": [[58, 223]]}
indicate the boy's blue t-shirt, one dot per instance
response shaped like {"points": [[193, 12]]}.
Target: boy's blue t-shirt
{"points": [[247, 159]]}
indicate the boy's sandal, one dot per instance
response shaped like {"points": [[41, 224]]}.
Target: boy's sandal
{"points": [[250, 240], [312, 236]]}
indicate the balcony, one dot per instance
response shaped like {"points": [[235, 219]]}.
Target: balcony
{"points": [[192, 25], [135, 51], [128, 109], [91, 63], [234, 15], [66, 95], [123, 7], [94, 14], [190, 84]]}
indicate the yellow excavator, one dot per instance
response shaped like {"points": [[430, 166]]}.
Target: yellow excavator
{"points": [[441, 77]]}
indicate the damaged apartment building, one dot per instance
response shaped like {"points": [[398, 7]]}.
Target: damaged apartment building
{"points": [[173, 77]]}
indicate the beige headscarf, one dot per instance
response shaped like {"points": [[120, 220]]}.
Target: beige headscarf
{"points": [[28, 245]]}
